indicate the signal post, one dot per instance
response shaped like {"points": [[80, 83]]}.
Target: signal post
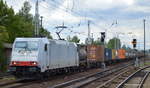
{"points": [[103, 42], [134, 43]]}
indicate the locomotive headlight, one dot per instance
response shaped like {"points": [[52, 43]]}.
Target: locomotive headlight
{"points": [[25, 53], [14, 63], [34, 63]]}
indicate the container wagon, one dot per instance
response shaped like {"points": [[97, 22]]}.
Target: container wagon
{"points": [[82, 52], [95, 54], [121, 54], [114, 54], [108, 55]]}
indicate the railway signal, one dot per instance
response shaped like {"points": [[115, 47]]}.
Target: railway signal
{"points": [[134, 42], [102, 37], [103, 40]]}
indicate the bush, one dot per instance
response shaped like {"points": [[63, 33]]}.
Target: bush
{"points": [[3, 60]]}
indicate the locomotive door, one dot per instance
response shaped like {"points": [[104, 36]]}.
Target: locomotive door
{"points": [[46, 55]]}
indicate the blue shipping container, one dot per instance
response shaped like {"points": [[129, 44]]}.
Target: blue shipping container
{"points": [[108, 54]]}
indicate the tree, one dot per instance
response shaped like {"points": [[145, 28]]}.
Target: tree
{"points": [[114, 43], [19, 28], [6, 14], [128, 48], [68, 38], [24, 12], [73, 39], [3, 34], [89, 41], [45, 33], [97, 42], [3, 38], [124, 47], [3, 60], [17, 25]]}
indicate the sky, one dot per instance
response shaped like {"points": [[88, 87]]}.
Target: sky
{"points": [[121, 18]]}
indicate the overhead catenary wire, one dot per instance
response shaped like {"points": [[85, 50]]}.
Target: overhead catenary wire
{"points": [[62, 9], [53, 8], [72, 12]]}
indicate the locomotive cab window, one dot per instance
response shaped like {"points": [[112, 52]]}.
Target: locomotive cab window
{"points": [[26, 45], [45, 47]]}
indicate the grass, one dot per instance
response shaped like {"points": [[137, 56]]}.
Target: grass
{"points": [[147, 63]]}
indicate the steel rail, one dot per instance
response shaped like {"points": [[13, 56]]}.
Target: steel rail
{"points": [[143, 80], [88, 79], [10, 83], [105, 83], [130, 77]]}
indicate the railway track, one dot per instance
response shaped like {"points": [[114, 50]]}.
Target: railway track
{"points": [[81, 82], [6, 75], [16, 83], [9, 83], [115, 79], [135, 80], [22, 83]]}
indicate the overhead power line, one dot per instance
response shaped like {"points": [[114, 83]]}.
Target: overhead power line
{"points": [[54, 3]]}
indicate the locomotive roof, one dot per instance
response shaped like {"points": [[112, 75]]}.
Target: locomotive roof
{"points": [[53, 41], [29, 39], [61, 42]]}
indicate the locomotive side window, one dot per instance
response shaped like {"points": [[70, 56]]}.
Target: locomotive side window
{"points": [[45, 47]]}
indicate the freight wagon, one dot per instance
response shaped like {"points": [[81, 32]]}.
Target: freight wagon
{"points": [[114, 54], [82, 52], [95, 55], [121, 54], [108, 54]]}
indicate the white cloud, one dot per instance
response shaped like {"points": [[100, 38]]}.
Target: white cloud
{"points": [[16, 4], [128, 2], [105, 4], [55, 16], [138, 8]]}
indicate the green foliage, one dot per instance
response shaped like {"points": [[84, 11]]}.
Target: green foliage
{"points": [[19, 28], [126, 48], [3, 60], [16, 25], [69, 38], [97, 42], [5, 15], [73, 39], [45, 33], [24, 12], [114, 43], [3, 34]]}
